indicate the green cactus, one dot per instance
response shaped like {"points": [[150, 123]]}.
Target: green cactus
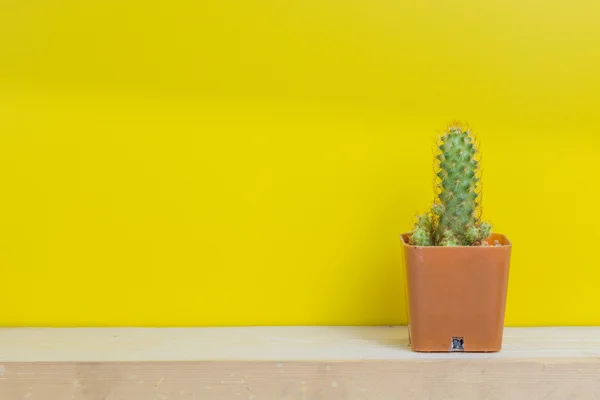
{"points": [[453, 219]]}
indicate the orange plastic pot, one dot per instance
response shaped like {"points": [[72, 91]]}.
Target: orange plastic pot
{"points": [[457, 296]]}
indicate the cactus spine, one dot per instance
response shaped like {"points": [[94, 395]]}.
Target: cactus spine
{"points": [[453, 219]]}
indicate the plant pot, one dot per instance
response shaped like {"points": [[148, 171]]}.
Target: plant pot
{"points": [[457, 296]]}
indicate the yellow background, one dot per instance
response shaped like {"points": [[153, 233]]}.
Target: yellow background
{"points": [[254, 162]]}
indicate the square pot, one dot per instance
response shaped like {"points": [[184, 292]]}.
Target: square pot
{"points": [[457, 295]]}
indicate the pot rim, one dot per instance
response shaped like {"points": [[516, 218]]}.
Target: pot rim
{"points": [[506, 243]]}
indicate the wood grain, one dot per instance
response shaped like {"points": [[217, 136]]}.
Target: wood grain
{"points": [[290, 363]]}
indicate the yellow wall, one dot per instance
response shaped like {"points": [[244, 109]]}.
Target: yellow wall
{"points": [[253, 162]]}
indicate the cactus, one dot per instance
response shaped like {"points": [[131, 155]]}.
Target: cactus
{"points": [[453, 219]]}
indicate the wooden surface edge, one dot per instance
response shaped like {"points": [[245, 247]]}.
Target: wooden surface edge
{"points": [[264, 380], [329, 363]]}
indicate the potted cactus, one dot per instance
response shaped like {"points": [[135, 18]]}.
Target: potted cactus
{"points": [[456, 268]]}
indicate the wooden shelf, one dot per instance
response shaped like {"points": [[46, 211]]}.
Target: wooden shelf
{"points": [[290, 363]]}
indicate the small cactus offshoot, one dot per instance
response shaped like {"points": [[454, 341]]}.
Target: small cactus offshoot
{"points": [[453, 219]]}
